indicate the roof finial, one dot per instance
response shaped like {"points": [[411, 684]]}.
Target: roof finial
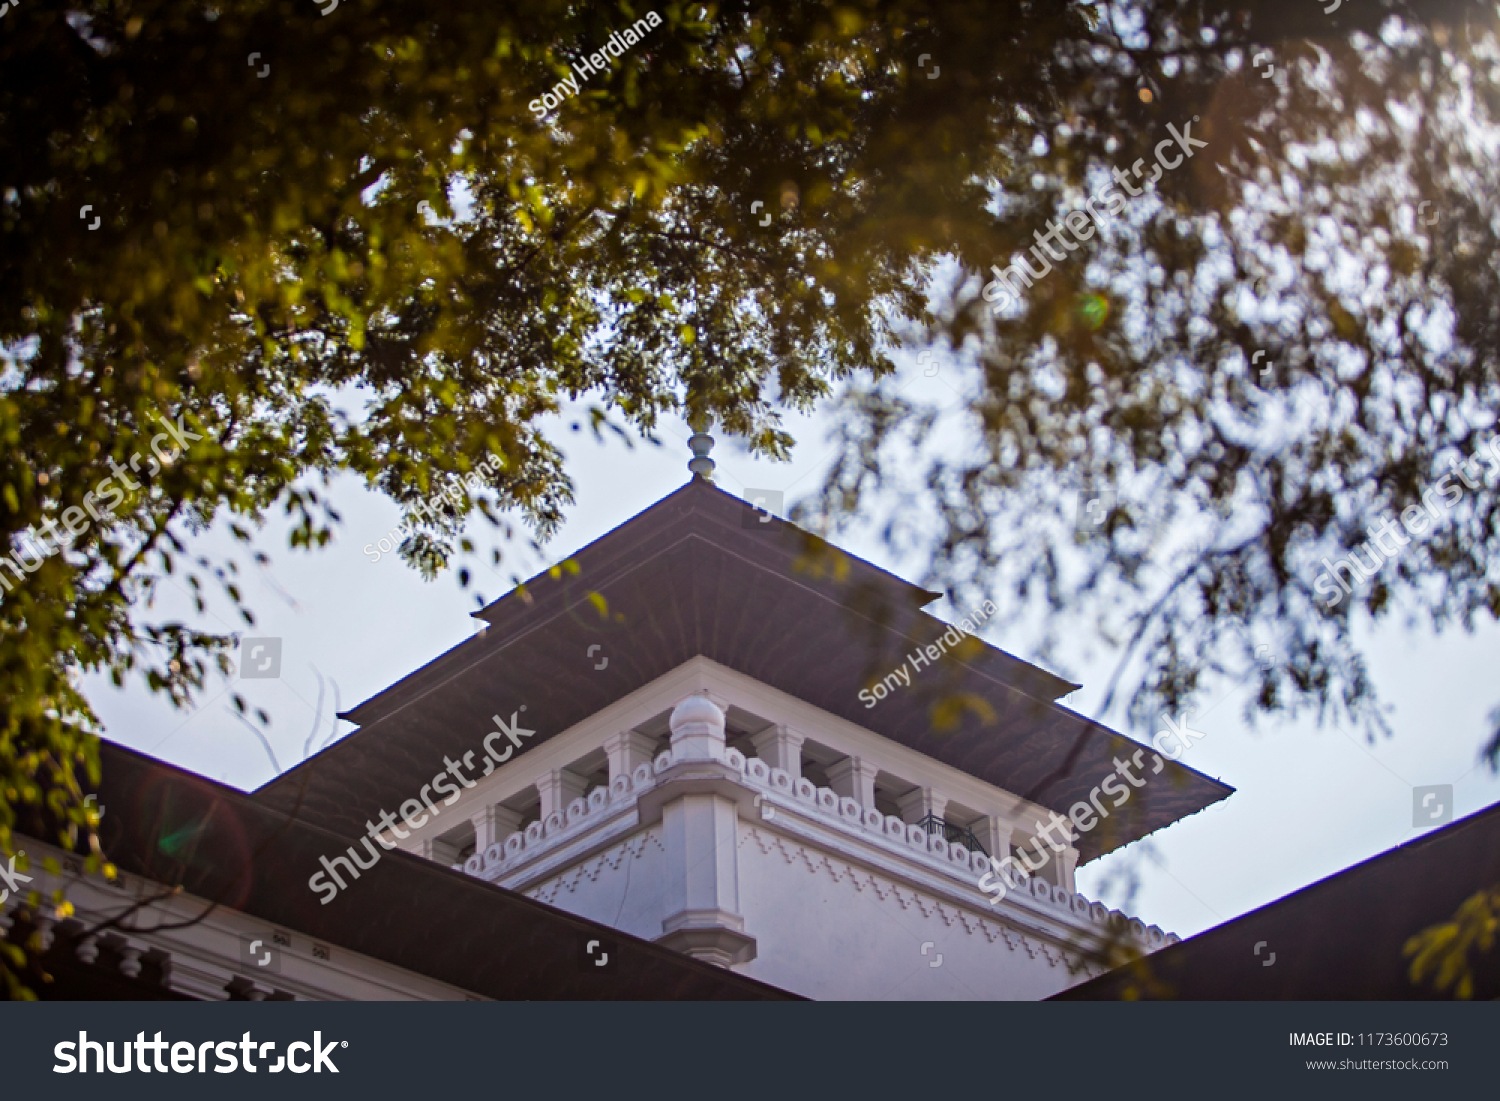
{"points": [[701, 443]]}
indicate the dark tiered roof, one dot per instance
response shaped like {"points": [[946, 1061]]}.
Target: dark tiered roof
{"points": [[1341, 939], [698, 573]]}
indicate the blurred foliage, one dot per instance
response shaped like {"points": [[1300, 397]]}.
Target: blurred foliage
{"points": [[1288, 339], [1440, 953], [376, 259]]}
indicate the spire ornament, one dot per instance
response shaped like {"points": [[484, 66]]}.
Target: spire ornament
{"points": [[701, 443]]}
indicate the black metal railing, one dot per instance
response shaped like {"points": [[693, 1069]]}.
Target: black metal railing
{"points": [[962, 834]]}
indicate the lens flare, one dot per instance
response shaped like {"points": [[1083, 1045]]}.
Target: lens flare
{"points": [[1094, 309]]}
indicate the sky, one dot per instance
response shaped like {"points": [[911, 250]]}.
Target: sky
{"points": [[1309, 801]]}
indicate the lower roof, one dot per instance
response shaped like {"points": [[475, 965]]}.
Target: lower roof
{"points": [[174, 827], [1342, 938]]}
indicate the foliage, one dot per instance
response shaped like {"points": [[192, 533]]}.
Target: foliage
{"points": [[1335, 230], [1440, 953]]}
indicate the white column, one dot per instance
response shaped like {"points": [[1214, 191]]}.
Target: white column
{"points": [[780, 747], [702, 867], [1066, 864], [854, 778], [916, 805], [700, 832], [701, 899], [627, 751], [493, 825], [994, 834], [1062, 857], [558, 788]]}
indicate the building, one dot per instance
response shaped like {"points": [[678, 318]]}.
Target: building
{"points": [[243, 927], [715, 739]]}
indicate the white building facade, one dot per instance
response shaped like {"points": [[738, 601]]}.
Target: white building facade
{"points": [[742, 826]]}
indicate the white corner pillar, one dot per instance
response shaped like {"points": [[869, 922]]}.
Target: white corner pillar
{"points": [[627, 751], [494, 824], [701, 899], [854, 778], [994, 834], [780, 747], [917, 805], [1066, 864], [558, 788], [700, 833], [1056, 841]]}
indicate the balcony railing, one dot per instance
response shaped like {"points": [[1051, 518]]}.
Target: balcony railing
{"points": [[962, 834]]}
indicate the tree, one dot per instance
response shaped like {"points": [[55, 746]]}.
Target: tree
{"points": [[1275, 377], [241, 221], [1211, 360]]}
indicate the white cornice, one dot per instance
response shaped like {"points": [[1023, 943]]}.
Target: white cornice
{"points": [[809, 815]]}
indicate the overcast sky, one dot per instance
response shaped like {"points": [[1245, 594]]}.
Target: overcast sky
{"points": [[1309, 801]]}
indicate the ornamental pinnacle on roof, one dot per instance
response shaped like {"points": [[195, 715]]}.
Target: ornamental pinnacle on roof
{"points": [[701, 443]]}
